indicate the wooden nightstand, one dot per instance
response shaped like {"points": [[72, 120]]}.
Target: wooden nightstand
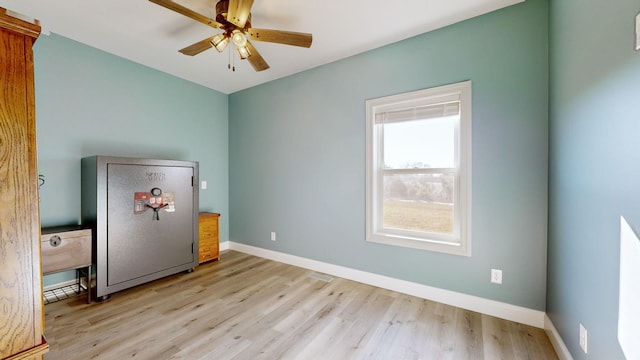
{"points": [[67, 248], [209, 241]]}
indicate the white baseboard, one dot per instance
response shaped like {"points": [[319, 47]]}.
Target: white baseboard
{"points": [[224, 245], [556, 340], [61, 284], [474, 303]]}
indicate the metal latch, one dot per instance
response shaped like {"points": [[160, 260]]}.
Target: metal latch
{"points": [[55, 241]]}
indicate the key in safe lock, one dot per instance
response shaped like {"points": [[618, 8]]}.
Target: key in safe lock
{"points": [[55, 241]]}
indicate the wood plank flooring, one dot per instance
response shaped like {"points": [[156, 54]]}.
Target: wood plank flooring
{"points": [[246, 307]]}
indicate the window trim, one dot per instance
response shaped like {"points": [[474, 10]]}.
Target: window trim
{"points": [[460, 244]]}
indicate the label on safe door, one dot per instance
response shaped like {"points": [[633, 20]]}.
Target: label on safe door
{"points": [[140, 201], [169, 199], [143, 201]]}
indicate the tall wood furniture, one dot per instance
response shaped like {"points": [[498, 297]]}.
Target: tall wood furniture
{"points": [[21, 304], [209, 241]]}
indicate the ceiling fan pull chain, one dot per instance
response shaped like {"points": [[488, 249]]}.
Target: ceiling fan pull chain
{"points": [[233, 58]]}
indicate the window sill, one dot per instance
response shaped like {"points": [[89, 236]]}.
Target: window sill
{"points": [[453, 248]]}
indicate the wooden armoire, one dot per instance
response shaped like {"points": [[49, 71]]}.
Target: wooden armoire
{"points": [[21, 306]]}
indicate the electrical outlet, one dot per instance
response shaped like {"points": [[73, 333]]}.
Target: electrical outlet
{"points": [[273, 236], [638, 31], [583, 338], [496, 276]]}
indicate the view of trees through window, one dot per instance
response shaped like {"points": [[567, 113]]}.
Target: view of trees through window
{"points": [[419, 202], [418, 180]]}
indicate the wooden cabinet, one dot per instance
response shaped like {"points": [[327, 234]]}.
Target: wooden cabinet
{"points": [[21, 332], [68, 248], [65, 248], [209, 240]]}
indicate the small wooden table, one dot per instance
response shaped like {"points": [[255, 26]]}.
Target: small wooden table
{"points": [[67, 248]]}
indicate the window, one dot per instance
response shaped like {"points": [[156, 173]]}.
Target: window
{"points": [[419, 169]]}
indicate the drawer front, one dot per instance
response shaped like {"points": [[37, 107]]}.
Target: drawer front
{"points": [[206, 232], [65, 250], [206, 241], [208, 228], [206, 254]]}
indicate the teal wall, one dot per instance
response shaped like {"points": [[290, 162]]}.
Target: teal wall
{"points": [[297, 155], [594, 166], [296, 151], [89, 102]]}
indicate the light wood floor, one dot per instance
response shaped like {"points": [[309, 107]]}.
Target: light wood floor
{"points": [[245, 307]]}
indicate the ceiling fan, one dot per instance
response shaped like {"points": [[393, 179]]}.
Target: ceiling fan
{"points": [[233, 17]]}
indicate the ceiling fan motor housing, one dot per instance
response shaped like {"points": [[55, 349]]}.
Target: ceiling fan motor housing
{"points": [[222, 10]]}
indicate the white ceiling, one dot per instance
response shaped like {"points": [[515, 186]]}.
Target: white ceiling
{"points": [[151, 35]]}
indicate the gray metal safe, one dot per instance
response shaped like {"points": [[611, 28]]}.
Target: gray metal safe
{"points": [[144, 214]]}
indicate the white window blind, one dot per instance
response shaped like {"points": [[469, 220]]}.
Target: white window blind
{"points": [[419, 113]]}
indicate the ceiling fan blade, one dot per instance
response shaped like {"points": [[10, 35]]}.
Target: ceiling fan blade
{"points": [[281, 37], [198, 47], [239, 11], [171, 5], [255, 59]]}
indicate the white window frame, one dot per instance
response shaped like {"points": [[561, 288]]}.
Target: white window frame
{"points": [[460, 242]]}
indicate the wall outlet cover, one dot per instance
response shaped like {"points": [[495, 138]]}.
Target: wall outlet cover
{"points": [[496, 276], [583, 338], [638, 31]]}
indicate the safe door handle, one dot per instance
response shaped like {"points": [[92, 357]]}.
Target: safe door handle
{"points": [[155, 209]]}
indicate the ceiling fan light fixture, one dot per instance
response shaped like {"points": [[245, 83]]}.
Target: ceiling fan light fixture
{"points": [[220, 42], [238, 38], [243, 51], [233, 18]]}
